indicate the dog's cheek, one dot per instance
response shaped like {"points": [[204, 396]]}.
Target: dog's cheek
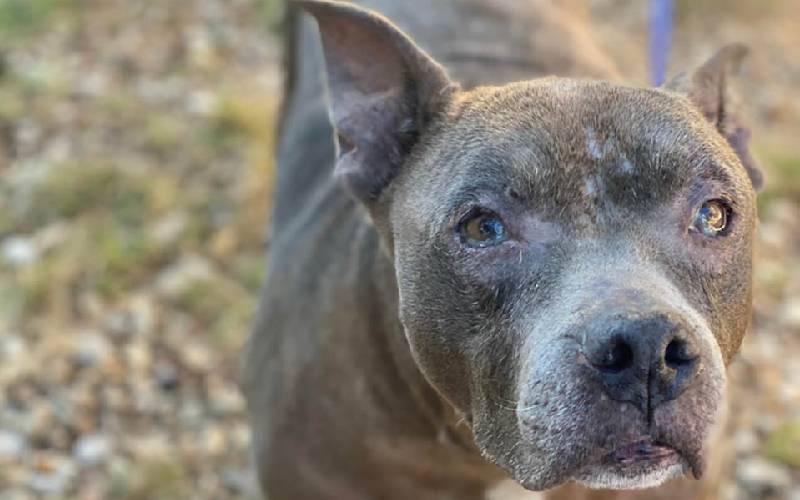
{"points": [[444, 316], [724, 298]]}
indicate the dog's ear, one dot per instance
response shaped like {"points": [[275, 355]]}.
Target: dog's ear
{"points": [[384, 92], [708, 87]]}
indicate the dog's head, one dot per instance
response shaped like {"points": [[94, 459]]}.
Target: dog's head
{"points": [[573, 257]]}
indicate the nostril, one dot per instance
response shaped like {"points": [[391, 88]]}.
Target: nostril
{"points": [[678, 354], [616, 358]]}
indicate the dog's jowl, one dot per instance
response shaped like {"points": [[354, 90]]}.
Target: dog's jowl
{"points": [[539, 281]]}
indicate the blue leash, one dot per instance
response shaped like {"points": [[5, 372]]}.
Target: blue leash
{"points": [[661, 13]]}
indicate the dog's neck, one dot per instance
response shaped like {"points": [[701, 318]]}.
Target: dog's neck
{"points": [[484, 42]]}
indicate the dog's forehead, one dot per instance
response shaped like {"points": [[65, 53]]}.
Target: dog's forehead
{"points": [[566, 142]]}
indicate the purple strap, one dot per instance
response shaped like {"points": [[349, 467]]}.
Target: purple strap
{"points": [[661, 12]]}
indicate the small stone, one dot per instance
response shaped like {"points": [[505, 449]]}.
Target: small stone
{"points": [[92, 348], [166, 376], [238, 481], [12, 446], [225, 398], [91, 449], [201, 103], [761, 477], [144, 314], [51, 236], [11, 346], [790, 313], [197, 357], [138, 357], [149, 447], [176, 279], [40, 423], [19, 250], [215, 441], [746, 441], [52, 474], [119, 324], [168, 229]]}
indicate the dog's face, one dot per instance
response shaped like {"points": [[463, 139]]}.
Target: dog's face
{"points": [[574, 262], [573, 258]]}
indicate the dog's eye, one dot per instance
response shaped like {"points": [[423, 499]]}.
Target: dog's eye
{"points": [[482, 229], [712, 217]]}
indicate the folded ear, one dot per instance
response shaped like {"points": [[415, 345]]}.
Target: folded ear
{"points": [[708, 88], [384, 92]]}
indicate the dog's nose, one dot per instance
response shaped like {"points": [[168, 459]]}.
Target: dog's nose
{"points": [[643, 361]]}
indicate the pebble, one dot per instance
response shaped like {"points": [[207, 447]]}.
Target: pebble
{"points": [[19, 250], [11, 346], [91, 449], [177, 278], [746, 441], [92, 349], [12, 446], [166, 376], [762, 477], [225, 398], [197, 356], [790, 313], [52, 474], [168, 229]]}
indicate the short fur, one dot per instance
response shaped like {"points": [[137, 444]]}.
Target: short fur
{"points": [[389, 360]]}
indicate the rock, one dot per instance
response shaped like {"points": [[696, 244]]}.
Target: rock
{"points": [[166, 376], [196, 356], [92, 348], [154, 446], [177, 278], [138, 357], [761, 477], [51, 236], [746, 441], [168, 229], [214, 440], [12, 446], [225, 398], [120, 325], [201, 102], [239, 482], [19, 250], [91, 449], [136, 319], [11, 346], [790, 313], [52, 474]]}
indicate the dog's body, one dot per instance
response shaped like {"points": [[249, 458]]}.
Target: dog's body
{"points": [[390, 362]]}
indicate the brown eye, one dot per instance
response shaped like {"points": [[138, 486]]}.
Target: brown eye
{"points": [[482, 229], [712, 218]]}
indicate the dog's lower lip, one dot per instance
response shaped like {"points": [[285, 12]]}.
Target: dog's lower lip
{"points": [[644, 450]]}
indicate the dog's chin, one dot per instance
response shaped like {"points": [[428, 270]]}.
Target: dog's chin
{"points": [[643, 464], [637, 465]]}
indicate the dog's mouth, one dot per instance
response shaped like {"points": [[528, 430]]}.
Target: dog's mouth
{"points": [[642, 453], [642, 463]]}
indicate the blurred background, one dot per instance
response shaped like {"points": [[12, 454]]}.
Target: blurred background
{"points": [[136, 164]]}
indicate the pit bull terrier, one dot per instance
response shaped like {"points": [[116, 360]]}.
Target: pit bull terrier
{"points": [[479, 286]]}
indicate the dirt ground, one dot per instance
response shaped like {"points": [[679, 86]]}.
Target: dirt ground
{"points": [[136, 142]]}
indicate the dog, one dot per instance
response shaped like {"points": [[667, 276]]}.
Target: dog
{"points": [[479, 287]]}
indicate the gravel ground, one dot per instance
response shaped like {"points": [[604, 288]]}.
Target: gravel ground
{"points": [[135, 173]]}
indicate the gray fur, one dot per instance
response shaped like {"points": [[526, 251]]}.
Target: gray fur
{"points": [[389, 361]]}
